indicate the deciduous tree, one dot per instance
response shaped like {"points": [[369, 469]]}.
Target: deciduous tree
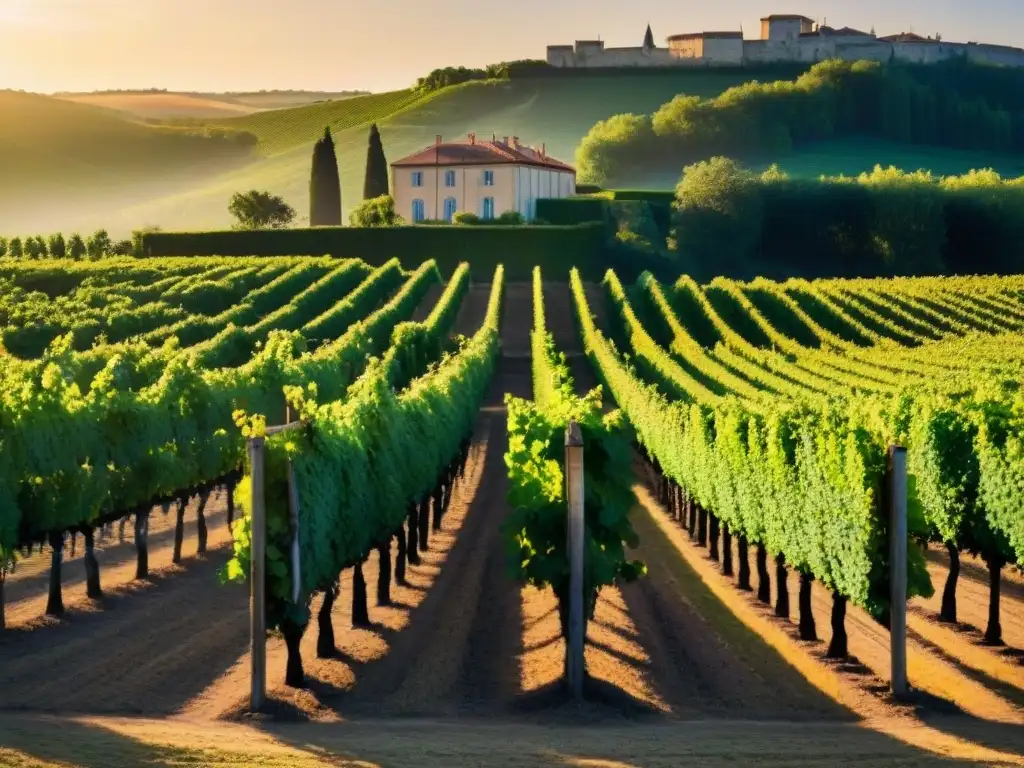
{"points": [[260, 210]]}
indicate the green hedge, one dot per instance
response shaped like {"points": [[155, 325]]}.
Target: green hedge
{"points": [[567, 211], [556, 249], [662, 196]]}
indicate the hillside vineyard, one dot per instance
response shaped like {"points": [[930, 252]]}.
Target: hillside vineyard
{"points": [[765, 409]]}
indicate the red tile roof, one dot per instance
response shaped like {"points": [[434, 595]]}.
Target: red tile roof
{"points": [[480, 153]]}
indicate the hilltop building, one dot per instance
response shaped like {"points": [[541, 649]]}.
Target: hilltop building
{"points": [[784, 38], [487, 178]]}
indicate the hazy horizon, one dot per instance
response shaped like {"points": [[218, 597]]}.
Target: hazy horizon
{"points": [[49, 46]]}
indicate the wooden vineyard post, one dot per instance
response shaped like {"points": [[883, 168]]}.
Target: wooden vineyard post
{"points": [[574, 669], [898, 568], [257, 599]]}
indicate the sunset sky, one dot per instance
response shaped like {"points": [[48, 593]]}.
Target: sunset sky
{"points": [[214, 45]]}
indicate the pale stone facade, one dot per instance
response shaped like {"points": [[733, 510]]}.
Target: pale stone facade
{"points": [[784, 38], [487, 178]]}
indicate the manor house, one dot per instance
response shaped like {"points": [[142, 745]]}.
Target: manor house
{"points": [[784, 38], [487, 178]]}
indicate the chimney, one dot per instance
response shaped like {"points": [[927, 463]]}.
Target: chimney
{"points": [[515, 142], [544, 150], [472, 138], [438, 140], [504, 140]]}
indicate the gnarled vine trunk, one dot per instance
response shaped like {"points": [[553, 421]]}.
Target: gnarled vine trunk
{"points": [[781, 587], [92, 567], [994, 631], [384, 573], [948, 611], [294, 675], [713, 536], [807, 629], [400, 557], [438, 506], [3, 580], [202, 532], [179, 530], [360, 610], [838, 646], [691, 506], [742, 554], [231, 506], [55, 600], [726, 550], [414, 517], [764, 585], [142, 543], [424, 524], [702, 526], [325, 646]]}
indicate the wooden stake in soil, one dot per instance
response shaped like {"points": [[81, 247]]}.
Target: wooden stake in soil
{"points": [[574, 657], [257, 595], [898, 568], [55, 600]]}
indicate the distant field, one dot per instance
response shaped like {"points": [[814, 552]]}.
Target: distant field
{"points": [[205, 106], [162, 105]]}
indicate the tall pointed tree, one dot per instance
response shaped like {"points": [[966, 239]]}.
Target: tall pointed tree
{"points": [[649, 38], [324, 185], [376, 183]]}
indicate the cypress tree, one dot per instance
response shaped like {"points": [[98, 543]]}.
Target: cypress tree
{"points": [[376, 183], [324, 185]]}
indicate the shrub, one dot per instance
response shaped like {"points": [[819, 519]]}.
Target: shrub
{"points": [[375, 212], [465, 217]]}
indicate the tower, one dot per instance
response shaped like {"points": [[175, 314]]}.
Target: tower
{"points": [[649, 39]]}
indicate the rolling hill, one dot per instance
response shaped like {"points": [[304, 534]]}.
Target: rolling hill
{"points": [[162, 105], [147, 186]]}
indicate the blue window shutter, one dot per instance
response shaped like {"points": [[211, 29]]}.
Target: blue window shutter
{"points": [[449, 209]]}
